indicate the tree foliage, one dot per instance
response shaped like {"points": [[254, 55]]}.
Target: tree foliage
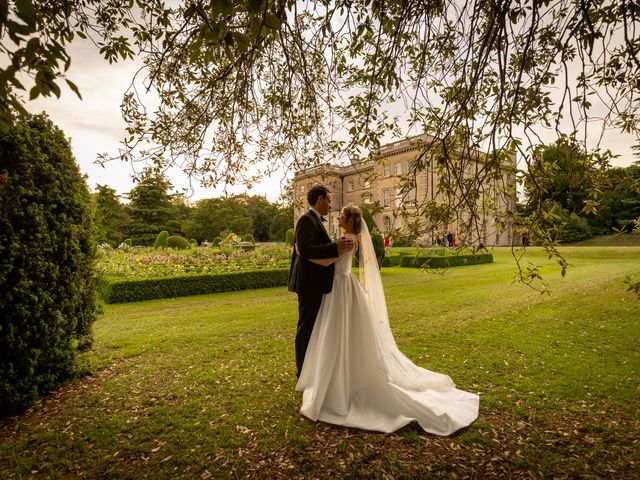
{"points": [[47, 284], [109, 216], [217, 217], [619, 205], [151, 208], [561, 173], [240, 214], [563, 199]]}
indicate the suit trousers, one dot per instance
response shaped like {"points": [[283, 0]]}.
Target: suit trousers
{"points": [[308, 307]]}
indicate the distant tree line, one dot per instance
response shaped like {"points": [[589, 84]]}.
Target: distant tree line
{"points": [[153, 208], [575, 203]]}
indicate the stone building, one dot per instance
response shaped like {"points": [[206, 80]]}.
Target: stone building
{"points": [[378, 182]]}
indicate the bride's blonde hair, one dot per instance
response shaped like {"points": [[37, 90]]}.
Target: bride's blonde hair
{"points": [[354, 213]]}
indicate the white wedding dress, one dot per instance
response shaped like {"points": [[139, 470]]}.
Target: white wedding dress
{"points": [[353, 373]]}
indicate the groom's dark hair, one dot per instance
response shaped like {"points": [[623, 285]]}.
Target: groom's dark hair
{"points": [[315, 192]]}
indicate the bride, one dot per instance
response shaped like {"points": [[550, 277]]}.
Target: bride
{"points": [[353, 373]]}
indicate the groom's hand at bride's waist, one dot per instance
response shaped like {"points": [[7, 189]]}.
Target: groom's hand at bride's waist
{"points": [[345, 244]]}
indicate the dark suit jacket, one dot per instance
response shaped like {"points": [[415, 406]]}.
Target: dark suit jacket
{"points": [[313, 242]]}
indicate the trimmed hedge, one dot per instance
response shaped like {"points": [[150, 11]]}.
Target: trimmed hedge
{"points": [[393, 260], [47, 252], [120, 290], [178, 242], [445, 262]]}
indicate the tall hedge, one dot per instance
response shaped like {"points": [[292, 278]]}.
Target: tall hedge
{"points": [[47, 286]]}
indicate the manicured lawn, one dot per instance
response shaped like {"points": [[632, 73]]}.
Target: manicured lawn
{"points": [[203, 387], [621, 240]]}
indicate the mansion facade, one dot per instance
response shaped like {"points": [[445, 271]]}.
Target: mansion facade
{"points": [[378, 182]]}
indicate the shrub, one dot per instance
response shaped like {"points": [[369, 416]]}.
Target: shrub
{"points": [[127, 242], [162, 240], [393, 260], [248, 238], [178, 242], [47, 299], [119, 290], [378, 246], [193, 242], [290, 238], [216, 241]]}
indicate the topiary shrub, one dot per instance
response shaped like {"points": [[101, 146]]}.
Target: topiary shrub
{"points": [[128, 242], [290, 237], [193, 242], [178, 242], [248, 238], [162, 240], [216, 241], [47, 283]]}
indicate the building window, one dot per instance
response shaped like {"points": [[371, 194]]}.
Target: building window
{"points": [[366, 198], [387, 198], [398, 197], [399, 168], [386, 221], [367, 184], [387, 170], [301, 188], [350, 186]]}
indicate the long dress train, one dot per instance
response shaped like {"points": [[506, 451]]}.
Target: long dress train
{"points": [[354, 375]]}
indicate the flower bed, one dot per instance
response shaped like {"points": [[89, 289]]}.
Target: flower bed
{"points": [[135, 274], [151, 263]]}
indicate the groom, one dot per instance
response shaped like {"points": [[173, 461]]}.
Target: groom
{"points": [[309, 280]]}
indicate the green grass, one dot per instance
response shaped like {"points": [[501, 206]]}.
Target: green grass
{"points": [[619, 240], [203, 387]]}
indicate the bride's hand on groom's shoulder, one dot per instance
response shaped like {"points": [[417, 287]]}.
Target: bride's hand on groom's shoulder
{"points": [[345, 244]]}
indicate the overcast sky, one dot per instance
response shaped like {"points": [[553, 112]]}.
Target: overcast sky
{"points": [[95, 125]]}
